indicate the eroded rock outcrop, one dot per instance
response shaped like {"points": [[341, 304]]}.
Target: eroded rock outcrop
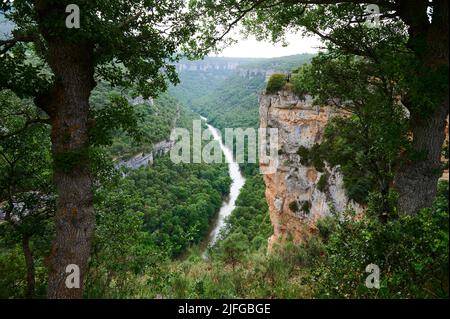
{"points": [[299, 194]]}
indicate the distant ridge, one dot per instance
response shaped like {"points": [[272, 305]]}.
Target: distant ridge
{"points": [[278, 64]]}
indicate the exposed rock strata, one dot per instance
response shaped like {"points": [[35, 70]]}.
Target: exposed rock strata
{"points": [[294, 197]]}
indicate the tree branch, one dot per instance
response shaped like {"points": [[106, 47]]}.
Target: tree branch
{"points": [[26, 125], [384, 3], [241, 15], [9, 43]]}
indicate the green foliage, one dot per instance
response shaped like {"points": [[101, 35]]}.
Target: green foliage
{"points": [[13, 282], [26, 195], [372, 72], [226, 99], [365, 149], [411, 251], [293, 206], [445, 154], [156, 213], [365, 144], [122, 249], [256, 276], [312, 157], [233, 248], [305, 206], [24, 147], [128, 129], [301, 80], [178, 201], [145, 52], [326, 226], [276, 83], [251, 215], [303, 152], [382, 205], [229, 98], [117, 116], [322, 184]]}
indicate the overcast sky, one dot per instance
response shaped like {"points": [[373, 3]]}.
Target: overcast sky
{"points": [[252, 48]]}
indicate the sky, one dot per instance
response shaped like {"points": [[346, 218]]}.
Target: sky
{"points": [[250, 47]]}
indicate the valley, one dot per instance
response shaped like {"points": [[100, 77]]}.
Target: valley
{"points": [[120, 178], [188, 230]]}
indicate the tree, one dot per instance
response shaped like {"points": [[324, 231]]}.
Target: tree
{"points": [[367, 143], [276, 83], [122, 251], [233, 248], [410, 48], [26, 194], [120, 42]]}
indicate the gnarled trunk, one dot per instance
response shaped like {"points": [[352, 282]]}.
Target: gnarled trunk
{"points": [[416, 181], [68, 107]]}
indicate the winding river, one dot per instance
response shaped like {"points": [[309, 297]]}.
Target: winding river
{"points": [[237, 183], [228, 204]]}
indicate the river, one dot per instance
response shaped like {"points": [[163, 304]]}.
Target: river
{"points": [[229, 204], [237, 183]]}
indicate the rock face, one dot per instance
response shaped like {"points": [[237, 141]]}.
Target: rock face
{"points": [[142, 159], [294, 194]]}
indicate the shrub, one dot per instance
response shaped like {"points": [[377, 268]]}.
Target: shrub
{"points": [[411, 252], [326, 226], [233, 248], [301, 80], [293, 206], [322, 184], [316, 158], [303, 152], [306, 206], [312, 157], [276, 83]]}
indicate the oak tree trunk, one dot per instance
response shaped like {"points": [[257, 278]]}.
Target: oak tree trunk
{"points": [[416, 181], [70, 56], [68, 108]]}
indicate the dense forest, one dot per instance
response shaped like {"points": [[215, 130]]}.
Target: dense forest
{"points": [[83, 100], [229, 98], [158, 210]]}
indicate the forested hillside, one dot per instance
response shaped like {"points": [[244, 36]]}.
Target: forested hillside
{"points": [[229, 97], [144, 216]]}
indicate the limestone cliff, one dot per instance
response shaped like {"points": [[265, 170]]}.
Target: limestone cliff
{"points": [[294, 194]]}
